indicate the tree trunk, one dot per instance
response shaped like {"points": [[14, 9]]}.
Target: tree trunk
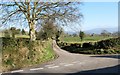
{"points": [[32, 31]]}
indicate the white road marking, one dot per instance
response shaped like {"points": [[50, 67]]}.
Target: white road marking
{"points": [[53, 67], [68, 64], [49, 65], [0, 73], [36, 69], [63, 63], [76, 62], [80, 63], [16, 71]]}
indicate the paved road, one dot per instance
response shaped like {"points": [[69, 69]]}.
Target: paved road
{"points": [[68, 63]]}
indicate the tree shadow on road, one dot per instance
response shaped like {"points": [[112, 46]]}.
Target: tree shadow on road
{"points": [[107, 56], [114, 70], [101, 71]]}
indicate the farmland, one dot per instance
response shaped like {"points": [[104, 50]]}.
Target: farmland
{"points": [[91, 45], [76, 39]]}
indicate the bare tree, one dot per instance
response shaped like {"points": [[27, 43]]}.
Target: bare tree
{"points": [[33, 13]]}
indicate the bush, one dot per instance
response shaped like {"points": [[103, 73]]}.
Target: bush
{"points": [[107, 44], [101, 47], [87, 45], [21, 52]]}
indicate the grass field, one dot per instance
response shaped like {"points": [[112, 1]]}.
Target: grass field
{"points": [[101, 46], [86, 39], [1, 34], [22, 36], [16, 36]]}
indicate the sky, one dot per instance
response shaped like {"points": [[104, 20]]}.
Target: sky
{"points": [[96, 15], [99, 15], [65, 0], [100, 0]]}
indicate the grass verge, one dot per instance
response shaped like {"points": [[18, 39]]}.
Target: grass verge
{"points": [[20, 53]]}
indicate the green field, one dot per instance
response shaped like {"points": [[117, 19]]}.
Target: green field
{"points": [[97, 45], [71, 39], [16, 36], [22, 36], [1, 34]]}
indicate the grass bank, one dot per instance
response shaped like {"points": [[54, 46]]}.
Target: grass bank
{"points": [[18, 53]]}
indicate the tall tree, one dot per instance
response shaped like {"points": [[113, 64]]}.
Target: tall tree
{"points": [[37, 12], [13, 31], [105, 33], [81, 35], [48, 30], [23, 32], [58, 34]]}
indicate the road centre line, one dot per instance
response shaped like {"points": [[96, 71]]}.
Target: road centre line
{"points": [[49, 65], [68, 64], [16, 71], [63, 63], [53, 67], [76, 62], [80, 63], [36, 69]]}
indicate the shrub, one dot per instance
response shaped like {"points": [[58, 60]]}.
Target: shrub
{"points": [[87, 45], [21, 52], [81, 35], [100, 47]]}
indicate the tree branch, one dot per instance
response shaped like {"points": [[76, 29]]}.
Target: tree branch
{"points": [[9, 16]]}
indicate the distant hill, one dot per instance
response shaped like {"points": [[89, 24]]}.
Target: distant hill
{"points": [[96, 31], [99, 30]]}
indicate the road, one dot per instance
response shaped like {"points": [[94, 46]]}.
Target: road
{"points": [[70, 63]]}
